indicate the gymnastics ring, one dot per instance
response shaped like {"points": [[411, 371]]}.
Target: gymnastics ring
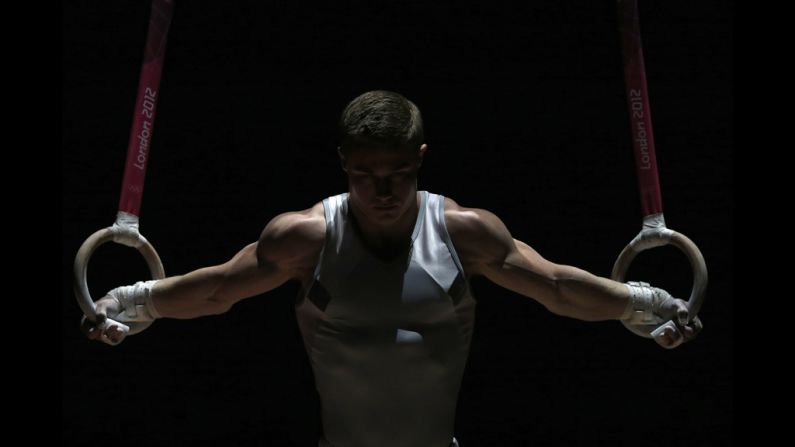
{"points": [[655, 234], [83, 256]]}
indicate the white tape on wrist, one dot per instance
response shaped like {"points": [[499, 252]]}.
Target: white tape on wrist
{"points": [[136, 302], [644, 301]]}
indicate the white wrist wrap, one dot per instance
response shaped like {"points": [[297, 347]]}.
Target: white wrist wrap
{"points": [[136, 302], [644, 302]]}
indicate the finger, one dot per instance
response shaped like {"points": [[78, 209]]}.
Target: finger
{"points": [[114, 335], [682, 313], [115, 332], [693, 328], [672, 334], [101, 306], [88, 327], [94, 333], [111, 335], [669, 336]]}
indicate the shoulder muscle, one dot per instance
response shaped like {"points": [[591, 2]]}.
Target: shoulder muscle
{"points": [[480, 237], [294, 239]]}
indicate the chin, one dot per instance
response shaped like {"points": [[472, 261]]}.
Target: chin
{"points": [[385, 215]]}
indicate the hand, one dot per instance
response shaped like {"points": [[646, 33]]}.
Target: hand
{"points": [[124, 311], [103, 329], [653, 312], [676, 311]]}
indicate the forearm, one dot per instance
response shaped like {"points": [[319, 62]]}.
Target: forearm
{"points": [[190, 295], [563, 289], [585, 296], [214, 290]]}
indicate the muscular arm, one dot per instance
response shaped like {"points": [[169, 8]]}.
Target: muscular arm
{"points": [[288, 245], [487, 248]]}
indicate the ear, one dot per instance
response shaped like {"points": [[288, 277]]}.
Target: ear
{"points": [[343, 160], [423, 149]]}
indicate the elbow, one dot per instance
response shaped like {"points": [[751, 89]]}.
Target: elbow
{"points": [[218, 302], [557, 301], [222, 295], [217, 306]]}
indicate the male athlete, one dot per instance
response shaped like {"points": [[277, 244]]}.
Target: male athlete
{"points": [[385, 307]]}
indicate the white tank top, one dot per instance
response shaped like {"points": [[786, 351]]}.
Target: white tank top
{"points": [[387, 341]]}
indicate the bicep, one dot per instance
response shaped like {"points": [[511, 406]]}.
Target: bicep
{"points": [[245, 275], [514, 265], [284, 250], [489, 245]]}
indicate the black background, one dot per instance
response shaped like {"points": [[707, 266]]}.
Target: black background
{"points": [[525, 116]]}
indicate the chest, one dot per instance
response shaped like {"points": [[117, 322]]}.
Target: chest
{"points": [[373, 295]]}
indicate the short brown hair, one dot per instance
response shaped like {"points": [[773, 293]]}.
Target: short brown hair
{"points": [[382, 118]]}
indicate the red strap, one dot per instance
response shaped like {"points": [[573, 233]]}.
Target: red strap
{"points": [[639, 112], [145, 105]]}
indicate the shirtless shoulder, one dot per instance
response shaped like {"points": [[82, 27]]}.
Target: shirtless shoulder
{"points": [[293, 240]]}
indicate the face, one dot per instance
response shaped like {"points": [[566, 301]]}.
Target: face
{"points": [[382, 183]]}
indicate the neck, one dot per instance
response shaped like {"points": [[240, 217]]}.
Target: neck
{"points": [[398, 233]]}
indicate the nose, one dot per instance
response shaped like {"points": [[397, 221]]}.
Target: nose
{"points": [[383, 190]]}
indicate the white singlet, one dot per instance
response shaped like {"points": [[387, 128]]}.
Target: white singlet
{"points": [[387, 341]]}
